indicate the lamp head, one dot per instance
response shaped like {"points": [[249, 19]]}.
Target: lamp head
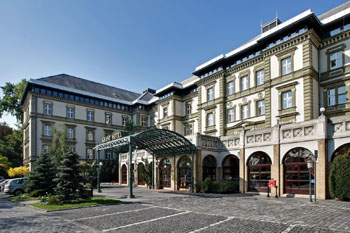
{"points": [[100, 164], [322, 110]]}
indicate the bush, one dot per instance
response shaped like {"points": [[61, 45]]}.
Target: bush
{"points": [[339, 177], [49, 199], [206, 185], [219, 186]]}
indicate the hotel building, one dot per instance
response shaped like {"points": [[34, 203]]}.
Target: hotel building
{"points": [[254, 114]]}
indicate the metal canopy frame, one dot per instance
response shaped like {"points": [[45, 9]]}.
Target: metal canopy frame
{"points": [[158, 142]]}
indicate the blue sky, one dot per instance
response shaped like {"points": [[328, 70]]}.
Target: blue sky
{"points": [[129, 44]]}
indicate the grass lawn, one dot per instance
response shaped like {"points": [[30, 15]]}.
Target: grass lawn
{"points": [[95, 201], [22, 198]]}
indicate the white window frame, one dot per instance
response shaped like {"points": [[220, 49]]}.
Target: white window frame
{"points": [[188, 108], [90, 116], [260, 77], [245, 111], [165, 112], [337, 58], [70, 133], [210, 119], [210, 94], [230, 88], [47, 130], [47, 109], [231, 115], [286, 64], [108, 118], [244, 83], [260, 107], [287, 99], [70, 112]]}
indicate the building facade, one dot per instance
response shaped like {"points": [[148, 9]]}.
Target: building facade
{"points": [[255, 113]]}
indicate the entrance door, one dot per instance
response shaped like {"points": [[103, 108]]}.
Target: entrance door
{"points": [[230, 168], [259, 172], [140, 168], [124, 174], [184, 172], [165, 173]]}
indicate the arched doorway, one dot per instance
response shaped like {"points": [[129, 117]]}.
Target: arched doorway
{"points": [[209, 167], [230, 168], [124, 174], [140, 179], [259, 172], [296, 174], [165, 173], [344, 149], [184, 172]]}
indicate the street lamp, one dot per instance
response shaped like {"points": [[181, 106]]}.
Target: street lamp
{"points": [[99, 166], [309, 166]]}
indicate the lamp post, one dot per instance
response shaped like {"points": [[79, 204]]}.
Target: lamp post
{"points": [[99, 166], [309, 166]]}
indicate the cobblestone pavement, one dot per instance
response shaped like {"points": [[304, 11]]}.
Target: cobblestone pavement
{"points": [[153, 211]]}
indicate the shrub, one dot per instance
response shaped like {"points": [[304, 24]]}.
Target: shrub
{"points": [[339, 177], [206, 185]]}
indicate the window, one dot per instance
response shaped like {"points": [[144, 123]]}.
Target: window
{"points": [[70, 133], [231, 115], [70, 112], [188, 109], [210, 119], [260, 77], [244, 83], [90, 153], [286, 99], [144, 121], [230, 88], [108, 118], [245, 111], [260, 107], [47, 130], [331, 97], [336, 96], [124, 120], [165, 112], [90, 115], [188, 129], [335, 60], [90, 135], [286, 66], [210, 94], [342, 95], [47, 109]]}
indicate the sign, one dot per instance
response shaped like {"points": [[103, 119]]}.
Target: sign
{"points": [[112, 137], [272, 183]]}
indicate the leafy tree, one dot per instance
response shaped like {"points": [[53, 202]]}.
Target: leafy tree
{"points": [[339, 177], [11, 144], [130, 128], [69, 181], [58, 147], [88, 170], [11, 100], [4, 164], [40, 179], [18, 171], [146, 172]]}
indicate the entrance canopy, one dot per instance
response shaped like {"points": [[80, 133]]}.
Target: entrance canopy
{"points": [[158, 142]]}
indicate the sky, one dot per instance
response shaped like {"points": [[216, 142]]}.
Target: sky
{"points": [[129, 44]]}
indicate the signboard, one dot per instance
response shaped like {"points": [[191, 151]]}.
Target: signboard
{"points": [[112, 137], [272, 183]]}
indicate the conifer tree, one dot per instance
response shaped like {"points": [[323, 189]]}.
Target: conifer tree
{"points": [[40, 179], [69, 181]]}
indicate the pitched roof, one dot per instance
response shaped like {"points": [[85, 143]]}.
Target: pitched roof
{"points": [[90, 86], [334, 11]]}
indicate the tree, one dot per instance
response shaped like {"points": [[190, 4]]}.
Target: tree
{"points": [[69, 181], [4, 165], [11, 100], [40, 179], [146, 172], [339, 177], [58, 147], [130, 128], [18, 171], [11, 144]]}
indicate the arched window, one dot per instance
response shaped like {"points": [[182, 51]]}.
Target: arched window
{"points": [[165, 173], [209, 167], [296, 173], [259, 170], [124, 174], [184, 172], [140, 179], [230, 168], [344, 149]]}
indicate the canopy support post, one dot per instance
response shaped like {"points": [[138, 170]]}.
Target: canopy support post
{"points": [[131, 195], [192, 171], [152, 171]]}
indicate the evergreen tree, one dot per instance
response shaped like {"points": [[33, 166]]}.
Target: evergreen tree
{"points": [[69, 181], [339, 177], [146, 172], [40, 179], [58, 146]]}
